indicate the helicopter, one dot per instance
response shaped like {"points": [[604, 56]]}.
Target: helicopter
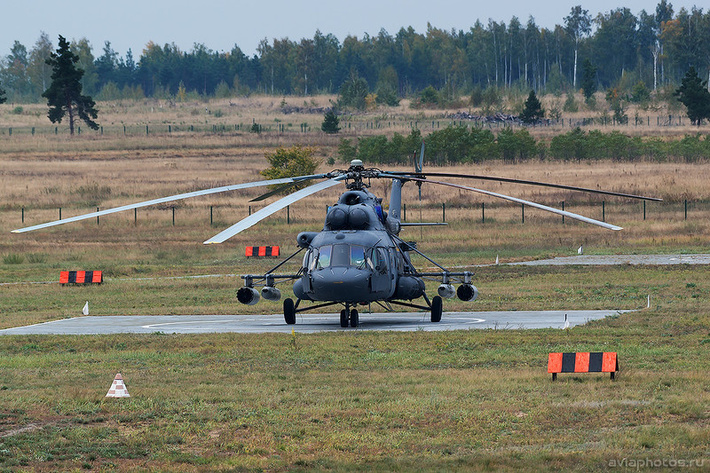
{"points": [[359, 257]]}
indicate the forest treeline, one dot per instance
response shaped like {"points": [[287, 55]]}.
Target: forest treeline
{"points": [[463, 145], [654, 48]]}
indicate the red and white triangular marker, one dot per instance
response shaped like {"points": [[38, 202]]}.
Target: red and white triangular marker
{"points": [[118, 388]]}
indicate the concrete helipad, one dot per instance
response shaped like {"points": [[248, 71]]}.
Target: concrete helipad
{"points": [[309, 323]]}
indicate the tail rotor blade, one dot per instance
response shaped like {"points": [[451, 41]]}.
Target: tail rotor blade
{"points": [[420, 166]]}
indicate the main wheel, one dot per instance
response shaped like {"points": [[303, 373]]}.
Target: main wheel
{"points": [[289, 311], [437, 308], [344, 318], [354, 318]]}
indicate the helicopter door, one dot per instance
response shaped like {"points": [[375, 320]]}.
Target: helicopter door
{"points": [[380, 279]]}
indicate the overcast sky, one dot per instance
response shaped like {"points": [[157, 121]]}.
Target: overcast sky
{"points": [[221, 24]]}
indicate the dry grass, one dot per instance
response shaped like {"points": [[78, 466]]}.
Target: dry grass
{"points": [[455, 401]]}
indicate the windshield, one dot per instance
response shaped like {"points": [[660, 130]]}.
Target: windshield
{"points": [[340, 255]]}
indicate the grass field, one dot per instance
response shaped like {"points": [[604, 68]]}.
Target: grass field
{"points": [[346, 401]]}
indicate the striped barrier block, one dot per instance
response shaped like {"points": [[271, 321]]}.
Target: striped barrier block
{"points": [[596, 362], [261, 251], [81, 277]]}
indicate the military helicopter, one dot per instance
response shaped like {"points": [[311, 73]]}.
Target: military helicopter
{"points": [[358, 258]]}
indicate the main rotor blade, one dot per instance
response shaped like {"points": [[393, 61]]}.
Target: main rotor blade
{"points": [[527, 202], [272, 208], [282, 188], [162, 200], [533, 183]]}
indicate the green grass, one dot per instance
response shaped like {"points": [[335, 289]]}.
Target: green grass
{"points": [[478, 400], [357, 401]]}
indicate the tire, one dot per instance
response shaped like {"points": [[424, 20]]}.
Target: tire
{"points": [[344, 318], [354, 318], [289, 312], [437, 308]]}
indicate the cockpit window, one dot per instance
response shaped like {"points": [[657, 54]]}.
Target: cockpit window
{"points": [[339, 255], [324, 254]]}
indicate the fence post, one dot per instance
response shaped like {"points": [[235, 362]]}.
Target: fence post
{"points": [[563, 209], [644, 210], [97, 217], [685, 204], [135, 216], [443, 212], [483, 212], [173, 215], [404, 212], [288, 214], [603, 211], [523, 211], [60, 213], [23, 215], [211, 215]]}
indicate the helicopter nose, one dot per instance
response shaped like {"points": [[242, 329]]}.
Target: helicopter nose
{"points": [[341, 284]]}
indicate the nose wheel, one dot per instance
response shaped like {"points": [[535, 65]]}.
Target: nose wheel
{"points": [[351, 317]]}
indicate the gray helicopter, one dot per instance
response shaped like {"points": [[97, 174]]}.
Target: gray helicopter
{"points": [[358, 258]]}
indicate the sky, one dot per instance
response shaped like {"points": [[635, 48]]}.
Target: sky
{"points": [[220, 25]]}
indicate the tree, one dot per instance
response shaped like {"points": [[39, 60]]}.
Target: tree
{"points": [[289, 162], [533, 110], [15, 74], [39, 71], [331, 122], [3, 99], [577, 24], [64, 93], [693, 93], [353, 93], [589, 79]]}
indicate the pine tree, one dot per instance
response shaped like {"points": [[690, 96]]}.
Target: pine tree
{"points": [[331, 122], [64, 93], [589, 79], [533, 110], [3, 99], [693, 93]]}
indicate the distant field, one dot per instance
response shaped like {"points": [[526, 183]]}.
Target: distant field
{"points": [[347, 401]]}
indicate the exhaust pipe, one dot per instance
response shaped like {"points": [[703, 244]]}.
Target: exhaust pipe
{"points": [[270, 293], [467, 292], [248, 295]]}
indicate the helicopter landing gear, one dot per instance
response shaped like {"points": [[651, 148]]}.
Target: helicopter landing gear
{"points": [[289, 311], [349, 316], [437, 307]]}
